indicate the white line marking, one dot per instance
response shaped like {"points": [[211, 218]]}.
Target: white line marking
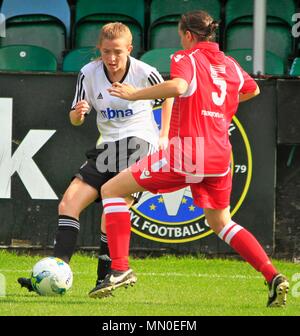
{"points": [[168, 274]]}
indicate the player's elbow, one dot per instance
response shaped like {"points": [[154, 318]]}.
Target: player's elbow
{"points": [[243, 97], [257, 91], [180, 87]]}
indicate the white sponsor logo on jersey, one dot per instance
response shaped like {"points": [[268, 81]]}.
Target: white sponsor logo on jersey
{"points": [[177, 58]]}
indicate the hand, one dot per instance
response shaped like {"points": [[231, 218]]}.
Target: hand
{"points": [[124, 91], [163, 142], [81, 108]]}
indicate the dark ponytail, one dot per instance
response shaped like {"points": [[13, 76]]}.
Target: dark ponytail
{"points": [[199, 23]]}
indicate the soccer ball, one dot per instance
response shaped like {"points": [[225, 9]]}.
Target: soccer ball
{"points": [[51, 276]]}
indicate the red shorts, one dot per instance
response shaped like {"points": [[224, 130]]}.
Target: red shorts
{"points": [[154, 174]]}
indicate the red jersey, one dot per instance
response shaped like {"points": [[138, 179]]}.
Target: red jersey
{"points": [[206, 109]]}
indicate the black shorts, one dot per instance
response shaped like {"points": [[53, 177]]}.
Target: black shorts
{"points": [[106, 162]]}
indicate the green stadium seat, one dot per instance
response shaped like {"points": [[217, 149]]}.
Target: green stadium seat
{"points": [[48, 36], [134, 10], [164, 36], [26, 58], [77, 58], [274, 64], [92, 15], [159, 58], [278, 38], [163, 11], [279, 11], [164, 18], [37, 22], [295, 68], [54, 9], [239, 26]]}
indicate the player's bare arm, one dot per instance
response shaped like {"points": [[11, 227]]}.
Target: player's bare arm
{"points": [[77, 116], [248, 96], [171, 88]]}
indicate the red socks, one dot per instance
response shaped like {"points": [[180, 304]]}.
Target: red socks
{"points": [[118, 235], [244, 243], [118, 228]]}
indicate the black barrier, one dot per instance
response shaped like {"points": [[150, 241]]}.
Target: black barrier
{"points": [[287, 233], [42, 102], [288, 111]]}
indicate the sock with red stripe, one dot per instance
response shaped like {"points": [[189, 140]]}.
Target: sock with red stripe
{"points": [[246, 245], [118, 232]]}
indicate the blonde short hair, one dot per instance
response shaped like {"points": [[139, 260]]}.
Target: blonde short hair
{"points": [[114, 30]]}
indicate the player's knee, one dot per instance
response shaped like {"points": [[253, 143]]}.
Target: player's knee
{"points": [[65, 208], [62, 207], [217, 219], [105, 191], [217, 226]]}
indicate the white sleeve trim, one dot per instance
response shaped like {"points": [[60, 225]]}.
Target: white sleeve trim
{"points": [[239, 72], [193, 84]]}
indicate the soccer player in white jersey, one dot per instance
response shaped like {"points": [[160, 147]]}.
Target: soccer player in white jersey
{"points": [[128, 132]]}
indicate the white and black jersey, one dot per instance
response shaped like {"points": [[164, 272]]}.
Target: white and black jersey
{"points": [[118, 118]]}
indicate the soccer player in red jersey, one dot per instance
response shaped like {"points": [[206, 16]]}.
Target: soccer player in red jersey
{"points": [[208, 87]]}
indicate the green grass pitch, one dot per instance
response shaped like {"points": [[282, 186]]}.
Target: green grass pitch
{"points": [[167, 286]]}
